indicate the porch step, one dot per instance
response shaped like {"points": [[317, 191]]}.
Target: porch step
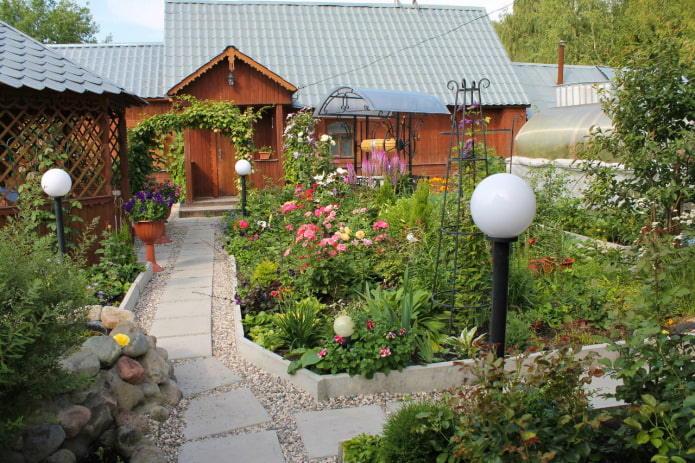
{"points": [[209, 207]]}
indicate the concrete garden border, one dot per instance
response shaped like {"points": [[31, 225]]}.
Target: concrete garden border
{"points": [[132, 297], [416, 378]]}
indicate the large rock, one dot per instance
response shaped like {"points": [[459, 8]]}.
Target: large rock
{"points": [[83, 363], [41, 441], [61, 456], [127, 438], [138, 344], [101, 420], [113, 316], [74, 419], [127, 395], [132, 419], [171, 392], [130, 370], [146, 453], [105, 348], [94, 312], [156, 367]]}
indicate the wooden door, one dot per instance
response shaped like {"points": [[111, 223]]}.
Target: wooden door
{"points": [[226, 160], [202, 163]]}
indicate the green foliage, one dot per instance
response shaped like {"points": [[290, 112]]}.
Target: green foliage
{"points": [[40, 319], [363, 448], [146, 140], [299, 324], [657, 370], [540, 414], [417, 433], [50, 21], [175, 162], [653, 137], [110, 279], [468, 344], [265, 273], [596, 31], [305, 155]]}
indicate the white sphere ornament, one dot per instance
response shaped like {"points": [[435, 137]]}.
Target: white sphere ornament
{"points": [[344, 326], [56, 183], [503, 206], [242, 167]]}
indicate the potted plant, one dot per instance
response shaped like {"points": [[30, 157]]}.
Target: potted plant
{"points": [[265, 152], [148, 210], [171, 193]]}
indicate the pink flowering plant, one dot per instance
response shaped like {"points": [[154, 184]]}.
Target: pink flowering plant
{"points": [[377, 345]]}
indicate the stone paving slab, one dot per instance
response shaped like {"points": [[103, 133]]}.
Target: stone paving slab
{"points": [[202, 283], [180, 326], [204, 375], [178, 295], [219, 413], [323, 431], [175, 308], [259, 447], [186, 347]]}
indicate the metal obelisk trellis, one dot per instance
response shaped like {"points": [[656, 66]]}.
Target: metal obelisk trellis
{"points": [[462, 281]]}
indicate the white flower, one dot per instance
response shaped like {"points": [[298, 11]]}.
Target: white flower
{"points": [[262, 224], [325, 138], [411, 238], [341, 171]]}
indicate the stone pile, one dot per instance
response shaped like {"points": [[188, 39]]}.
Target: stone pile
{"points": [[132, 386]]}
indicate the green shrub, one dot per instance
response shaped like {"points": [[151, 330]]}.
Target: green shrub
{"points": [[417, 433], [363, 448], [299, 324], [265, 273], [40, 322]]}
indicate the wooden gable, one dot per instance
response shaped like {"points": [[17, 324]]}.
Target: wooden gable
{"points": [[254, 84]]}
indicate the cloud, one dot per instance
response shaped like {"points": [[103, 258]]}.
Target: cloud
{"points": [[144, 13]]}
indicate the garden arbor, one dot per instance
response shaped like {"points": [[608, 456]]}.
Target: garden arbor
{"points": [[388, 120]]}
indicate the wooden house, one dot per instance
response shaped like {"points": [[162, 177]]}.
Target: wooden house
{"points": [[53, 109], [292, 55]]}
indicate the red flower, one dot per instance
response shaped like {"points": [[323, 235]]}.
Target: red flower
{"points": [[385, 352], [532, 241], [322, 353], [370, 325], [243, 224], [338, 338], [402, 331], [274, 293]]}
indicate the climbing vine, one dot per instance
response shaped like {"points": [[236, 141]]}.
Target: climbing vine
{"points": [[146, 140]]}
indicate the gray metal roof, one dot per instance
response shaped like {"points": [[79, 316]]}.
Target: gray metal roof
{"points": [[318, 47], [138, 67], [26, 63], [540, 80]]}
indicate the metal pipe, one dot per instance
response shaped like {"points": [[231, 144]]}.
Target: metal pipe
{"points": [[561, 62], [243, 195], [59, 223], [500, 292]]}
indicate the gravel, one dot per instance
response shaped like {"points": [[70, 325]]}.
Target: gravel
{"points": [[280, 399]]}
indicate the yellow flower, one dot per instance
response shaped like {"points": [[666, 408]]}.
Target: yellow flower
{"points": [[664, 331], [359, 235], [121, 339]]}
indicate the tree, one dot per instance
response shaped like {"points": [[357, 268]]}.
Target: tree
{"points": [[596, 31], [653, 114], [50, 21]]}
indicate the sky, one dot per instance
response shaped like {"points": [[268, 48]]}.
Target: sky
{"points": [[143, 20]]}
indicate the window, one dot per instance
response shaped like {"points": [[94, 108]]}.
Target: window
{"points": [[342, 135]]}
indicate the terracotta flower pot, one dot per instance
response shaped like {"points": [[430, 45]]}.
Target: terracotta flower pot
{"points": [[149, 231], [164, 239]]}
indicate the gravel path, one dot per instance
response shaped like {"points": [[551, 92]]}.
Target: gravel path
{"points": [[280, 398]]}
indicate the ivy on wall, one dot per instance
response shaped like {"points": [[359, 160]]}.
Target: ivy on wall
{"points": [[146, 140]]}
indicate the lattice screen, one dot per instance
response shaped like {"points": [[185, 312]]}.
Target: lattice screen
{"points": [[83, 141]]}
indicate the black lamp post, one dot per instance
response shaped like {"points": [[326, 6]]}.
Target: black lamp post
{"points": [[502, 206], [57, 183], [243, 169]]}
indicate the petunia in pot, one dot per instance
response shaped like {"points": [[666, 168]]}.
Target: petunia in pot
{"points": [[148, 210]]}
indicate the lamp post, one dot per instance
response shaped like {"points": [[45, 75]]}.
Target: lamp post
{"points": [[502, 206], [243, 168], [57, 183], [344, 327]]}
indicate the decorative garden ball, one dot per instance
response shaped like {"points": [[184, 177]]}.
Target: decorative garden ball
{"points": [[344, 326]]}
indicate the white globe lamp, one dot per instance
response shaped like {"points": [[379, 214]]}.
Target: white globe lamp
{"points": [[344, 326], [56, 183], [243, 169]]}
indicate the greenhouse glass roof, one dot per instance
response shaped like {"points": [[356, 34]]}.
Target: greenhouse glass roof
{"points": [[353, 101]]}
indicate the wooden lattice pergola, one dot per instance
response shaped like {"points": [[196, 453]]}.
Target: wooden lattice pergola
{"points": [[84, 134]]}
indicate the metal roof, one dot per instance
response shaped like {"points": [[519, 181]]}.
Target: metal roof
{"points": [[540, 81], [138, 67], [26, 63], [352, 101], [319, 47]]}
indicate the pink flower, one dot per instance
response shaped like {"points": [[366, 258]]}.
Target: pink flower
{"points": [[287, 252], [322, 353], [338, 338], [367, 242], [390, 335], [274, 293], [370, 325], [289, 227], [289, 206], [380, 224], [385, 351], [341, 247], [243, 224], [402, 331]]}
